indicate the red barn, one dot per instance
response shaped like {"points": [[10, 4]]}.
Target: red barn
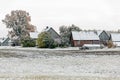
{"points": [[84, 37]]}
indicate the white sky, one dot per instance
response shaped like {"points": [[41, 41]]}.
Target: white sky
{"points": [[87, 14]]}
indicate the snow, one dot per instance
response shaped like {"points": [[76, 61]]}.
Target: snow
{"points": [[32, 61], [2, 39], [115, 37], [35, 48], [92, 45], [47, 28], [83, 35], [117, 44], [34, 35], [84, 65], [99, 32]]}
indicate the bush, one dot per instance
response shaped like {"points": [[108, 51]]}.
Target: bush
{"points": [[54, 45], [110, 44], [45, 41], [28, 43]]}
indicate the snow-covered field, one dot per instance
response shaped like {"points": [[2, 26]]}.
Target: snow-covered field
{"points": [[36, 64]]}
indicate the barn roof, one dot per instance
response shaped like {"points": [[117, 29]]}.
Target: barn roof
{"points": [[84, 35], [115, 36]]}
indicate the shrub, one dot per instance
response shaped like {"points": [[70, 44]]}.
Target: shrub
{"points": [[110, 44], [28, 43], [45, 41]]}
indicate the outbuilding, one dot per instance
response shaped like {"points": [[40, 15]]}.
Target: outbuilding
{"points": [[78, 39], [116, 39]]}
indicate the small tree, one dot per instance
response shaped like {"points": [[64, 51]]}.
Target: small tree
{"points": [[45, 40]]}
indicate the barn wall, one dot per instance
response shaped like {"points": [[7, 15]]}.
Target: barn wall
{"points": [[81, 43]]}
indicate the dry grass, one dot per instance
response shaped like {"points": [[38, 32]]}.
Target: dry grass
{"points": [[60, 58], [38, 77]]}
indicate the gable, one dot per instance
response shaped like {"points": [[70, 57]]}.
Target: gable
{"points": [[104, 36], [52, 32]]}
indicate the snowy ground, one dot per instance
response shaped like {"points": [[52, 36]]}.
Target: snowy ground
{"points": [[46, 64]]}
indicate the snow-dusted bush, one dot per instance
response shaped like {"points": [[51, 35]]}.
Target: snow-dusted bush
{"points": [[28, 42], [45, 41]]}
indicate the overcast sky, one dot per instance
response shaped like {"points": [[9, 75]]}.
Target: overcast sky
{"points": [[87, 14]]}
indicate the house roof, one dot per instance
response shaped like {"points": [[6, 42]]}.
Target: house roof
{"points": [[84, 35], [47, 28], [4, 39], [34, 35], [115, 36], [105, 35]]}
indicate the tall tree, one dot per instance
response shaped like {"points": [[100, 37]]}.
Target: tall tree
{"points": [[65, 32], [73, 28], [64, 35], [18, 22]]}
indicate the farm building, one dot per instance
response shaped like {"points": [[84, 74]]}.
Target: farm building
{"points": [[53, 34], [105, 37], [5, 41], [83, 37], [116, 39]]}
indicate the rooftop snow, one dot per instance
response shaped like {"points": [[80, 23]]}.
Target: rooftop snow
{"points": [[46, 28], [83, 35], [115, 36], [34, 35], [2, 39]]}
